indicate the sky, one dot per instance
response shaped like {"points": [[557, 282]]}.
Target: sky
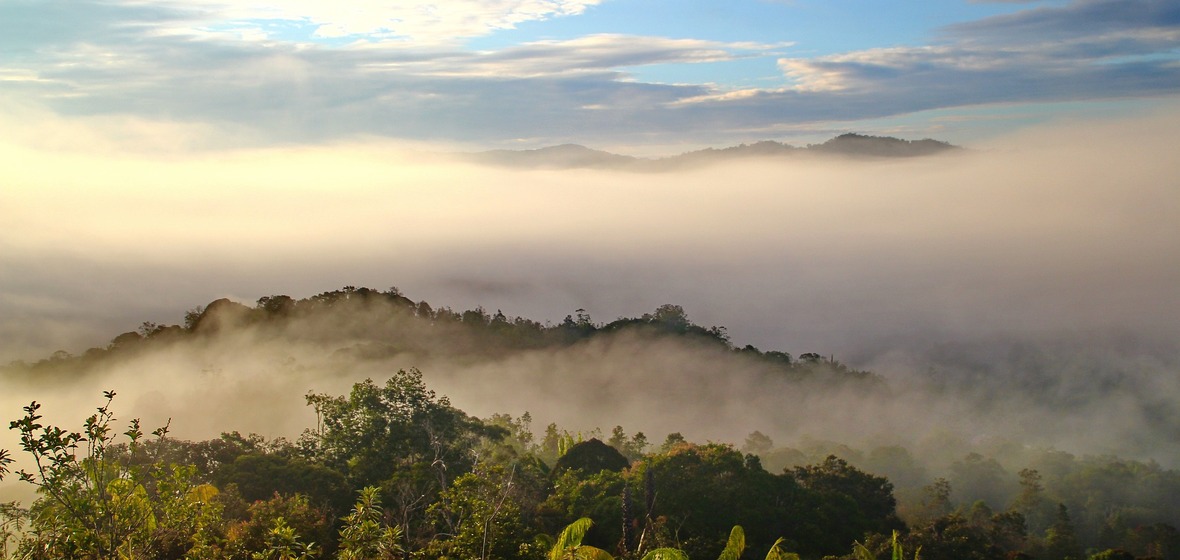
{"points": [[645, 77]]}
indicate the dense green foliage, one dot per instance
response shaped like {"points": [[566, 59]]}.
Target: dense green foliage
{"points": [[393, 470]]}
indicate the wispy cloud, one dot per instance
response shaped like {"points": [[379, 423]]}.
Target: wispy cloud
{"points": [[401, 71], [1080, 20], [1090, 49], [582, 55], [419, 20]]}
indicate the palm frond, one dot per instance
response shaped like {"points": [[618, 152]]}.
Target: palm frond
{"points": [[777, 553], [571, 536], [735, 546], [861, 552], [570, 539]]}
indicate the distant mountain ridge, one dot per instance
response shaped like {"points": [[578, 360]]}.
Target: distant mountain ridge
{"points": [[575, 156], [555, 157]]}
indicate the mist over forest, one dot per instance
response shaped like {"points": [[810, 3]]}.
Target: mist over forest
{"points": [[959, 317], [589, 280]]}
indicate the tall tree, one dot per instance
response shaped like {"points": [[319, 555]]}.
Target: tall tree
{"points": [[1061, 542], [364, 535], [400, 436], [864, 501], [374, 430]]}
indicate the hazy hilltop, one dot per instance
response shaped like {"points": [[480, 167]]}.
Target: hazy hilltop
{"points": [[881, 146], [487, 361], [574, 156], [658, 370]]}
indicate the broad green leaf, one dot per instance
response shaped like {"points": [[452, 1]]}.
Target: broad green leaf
{"points": [[202, 494], [570, 539]]}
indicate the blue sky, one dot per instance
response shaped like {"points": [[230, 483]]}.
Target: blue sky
{"points": [[659, 74], [818, 27]]}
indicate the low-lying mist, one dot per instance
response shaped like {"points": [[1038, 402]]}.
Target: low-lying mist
{"points": [[1012, 296]]}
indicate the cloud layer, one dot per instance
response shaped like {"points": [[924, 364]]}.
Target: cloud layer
{"points": [[1066, 233], [1023, 292]]}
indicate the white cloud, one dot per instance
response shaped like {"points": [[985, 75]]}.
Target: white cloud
{"points": [[808, 76], [723, 96], [589, 54], [411, 20]]}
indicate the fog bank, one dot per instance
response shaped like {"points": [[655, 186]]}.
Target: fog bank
{"points": [[1024, 290]]}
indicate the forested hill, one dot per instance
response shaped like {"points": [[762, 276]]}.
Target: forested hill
{"points": [[367, 324], [385, 460]]}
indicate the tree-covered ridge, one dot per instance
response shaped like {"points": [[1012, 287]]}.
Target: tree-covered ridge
{"points": [[393, 470], [363, 323]]}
